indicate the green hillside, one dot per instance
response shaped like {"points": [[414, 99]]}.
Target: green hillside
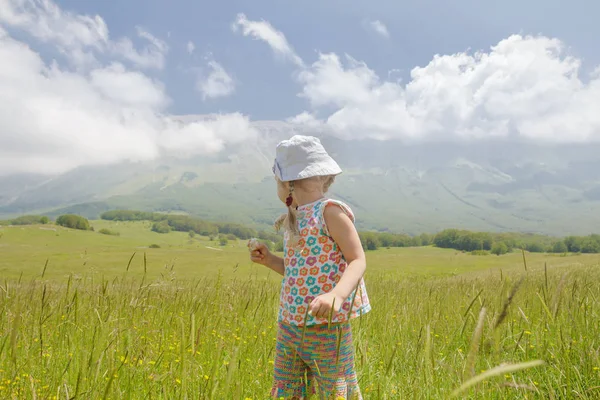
{"points": [[392, 186], [144, 314]]}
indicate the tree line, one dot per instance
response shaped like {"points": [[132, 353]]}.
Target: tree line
{"points": [[164, 223], [462, 240], [495, 243]]}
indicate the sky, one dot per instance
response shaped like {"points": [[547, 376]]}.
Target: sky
{"points": [[98, 82]]}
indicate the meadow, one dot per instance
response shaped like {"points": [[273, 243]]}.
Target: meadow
{"points": [[90, 316]]}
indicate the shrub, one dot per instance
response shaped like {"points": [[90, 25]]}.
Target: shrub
{"points": [[370, 240], [74, 222], [161, 227], [560, 247], [372, 243], [223, 241], [499, 248], [535, 247], [30, 220], [154, 246], [590, 246], [105, 231]]}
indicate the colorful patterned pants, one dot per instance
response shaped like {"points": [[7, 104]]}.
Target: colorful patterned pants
{"points": [[321, 355]]}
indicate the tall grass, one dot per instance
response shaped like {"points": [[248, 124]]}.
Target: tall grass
{"points": [[522, 334]]}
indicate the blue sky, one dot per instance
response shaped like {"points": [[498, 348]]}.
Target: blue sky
{"points": [[97, 82], [264, 88]]}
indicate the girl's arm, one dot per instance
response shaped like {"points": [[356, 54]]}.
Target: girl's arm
{"points": [[276, 264], [261, 255], [344, 233]]}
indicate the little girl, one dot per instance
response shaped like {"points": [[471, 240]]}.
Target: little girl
{"points": [[322, 268]]}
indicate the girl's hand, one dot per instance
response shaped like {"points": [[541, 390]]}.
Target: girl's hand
{"points": [[260, 254], [322, 306]]}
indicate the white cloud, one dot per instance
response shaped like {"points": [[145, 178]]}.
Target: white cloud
{"points": [[190, 47], [54, 118], [378, 27], [264, 31], [151, 56], [217, 83], [306, 119], [44, 20], [524, 86], [209, 136], [79, 37], [128, 88]]}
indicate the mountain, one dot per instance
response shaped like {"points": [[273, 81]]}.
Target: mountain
{"points": [[491, 185]]}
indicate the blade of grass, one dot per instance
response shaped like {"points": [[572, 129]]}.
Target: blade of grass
{"points": [[496, 371]]}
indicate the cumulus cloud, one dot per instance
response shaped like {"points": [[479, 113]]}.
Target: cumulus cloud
{"points": [[80, 38], [305, 119], [217, 83], [262, 30], [190, 47], [525, 86], [151, 56], [378, 27], [54, 118], [44, 20]]}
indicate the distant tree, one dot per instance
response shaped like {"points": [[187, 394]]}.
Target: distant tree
{"points": [[425, 239], [223, 240], [386, 239], [484, 240], [129, 215], [574, 243], [416, 241], [161, 227], [559, 247], [590, 246], [535, 247], [279, 246], [74, 222], [499, 248], [30, 220], [271, 237], [372, 243], [447, 239], [191, 234]]}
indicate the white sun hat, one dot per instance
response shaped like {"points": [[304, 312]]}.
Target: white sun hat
{"points": [[302, 157]]}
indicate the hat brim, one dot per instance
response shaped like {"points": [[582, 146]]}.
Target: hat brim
{"points": [[299, 172]]}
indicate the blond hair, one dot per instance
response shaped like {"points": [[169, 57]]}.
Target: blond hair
{"points": [[289, 220]]}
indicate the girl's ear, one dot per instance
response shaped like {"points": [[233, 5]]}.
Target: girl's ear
{"points": [[284, 185]]}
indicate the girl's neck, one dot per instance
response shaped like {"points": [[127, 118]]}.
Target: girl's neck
{"points": [[304, 198]]}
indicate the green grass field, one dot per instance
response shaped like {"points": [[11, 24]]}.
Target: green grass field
{"points": [[92, 316]]}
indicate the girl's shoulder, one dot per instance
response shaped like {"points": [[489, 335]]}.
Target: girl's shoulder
{"points": [[325, 204]]}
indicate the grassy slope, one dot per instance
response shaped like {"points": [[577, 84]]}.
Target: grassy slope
{"points": [[381, 202], [25, 249], [206, 337]]}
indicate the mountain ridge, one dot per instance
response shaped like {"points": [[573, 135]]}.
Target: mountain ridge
{"points": [[496, 185]]}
